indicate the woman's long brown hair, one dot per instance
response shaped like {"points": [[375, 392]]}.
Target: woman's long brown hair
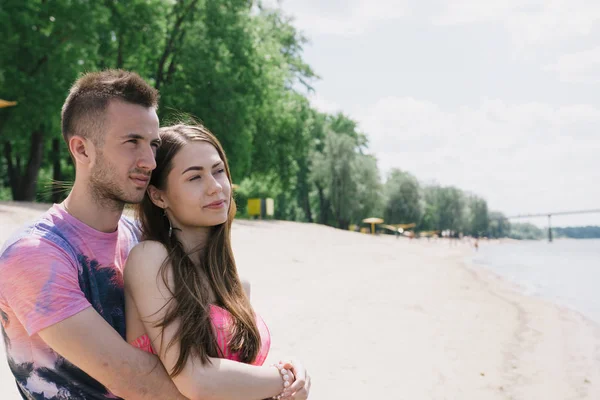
{"points": [[189, 303]]}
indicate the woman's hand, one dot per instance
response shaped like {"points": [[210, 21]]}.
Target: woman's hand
{"points": [[300, 387]]}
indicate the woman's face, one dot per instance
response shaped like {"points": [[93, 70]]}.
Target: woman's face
{"points": [[198, 191]]}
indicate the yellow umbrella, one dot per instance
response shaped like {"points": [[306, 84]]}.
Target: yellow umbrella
{"points": [[4, 103], [373, 221]]}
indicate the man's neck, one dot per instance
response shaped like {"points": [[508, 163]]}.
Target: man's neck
{"points": [[99, 215]]}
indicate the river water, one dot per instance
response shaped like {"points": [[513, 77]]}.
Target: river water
{"points": [[565, 271]]}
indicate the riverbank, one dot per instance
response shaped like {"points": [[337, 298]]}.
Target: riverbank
{"points": [[376, 316]]}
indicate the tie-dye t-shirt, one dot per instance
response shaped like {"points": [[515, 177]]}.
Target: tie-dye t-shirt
{"points": [[50, 271]]}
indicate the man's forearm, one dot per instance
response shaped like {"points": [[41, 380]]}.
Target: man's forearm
{"points": [[87, 341], [143, 377]]}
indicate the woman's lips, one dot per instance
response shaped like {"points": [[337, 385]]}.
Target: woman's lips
{"points": [[216, 204]]}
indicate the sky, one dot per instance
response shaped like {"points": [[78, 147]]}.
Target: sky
{"points": [[499, 98]]}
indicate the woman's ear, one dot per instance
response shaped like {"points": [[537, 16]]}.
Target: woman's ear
{"points": [[157, 197]]}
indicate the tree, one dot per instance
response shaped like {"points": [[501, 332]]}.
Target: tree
{"points": [[369, 198], [478, 220], [444, 209], [43, 50], [526, 231], [332, 170], [404, 203], [430, 219], [499, 225]]}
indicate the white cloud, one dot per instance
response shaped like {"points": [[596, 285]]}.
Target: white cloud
{"points": [[528, 21], [522, 158], [580, 67], [343, 18]]}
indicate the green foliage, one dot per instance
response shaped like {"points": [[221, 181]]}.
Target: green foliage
{"points": [[478, 220], [526, 231], [333, 170], [499, 226], [369, 190], [583, 232], [404, 198], [5, 194], [445, 209]]}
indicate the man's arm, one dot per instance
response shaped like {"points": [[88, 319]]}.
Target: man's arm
{"points": [[40, 283], [89, 342]]}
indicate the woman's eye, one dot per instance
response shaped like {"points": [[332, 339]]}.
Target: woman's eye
{"points": [[195, 177], [221, 171]]}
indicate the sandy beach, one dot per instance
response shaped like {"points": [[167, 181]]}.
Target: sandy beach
{"points": [[379, 317]]}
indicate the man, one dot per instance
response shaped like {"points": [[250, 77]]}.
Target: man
{"points": [[61, 280]]}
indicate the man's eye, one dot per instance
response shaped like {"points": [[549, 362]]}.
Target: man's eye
{"points": [[134, 141]]}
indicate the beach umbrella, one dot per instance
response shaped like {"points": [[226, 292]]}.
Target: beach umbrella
{"points": [[373, 221], [4, 103]]}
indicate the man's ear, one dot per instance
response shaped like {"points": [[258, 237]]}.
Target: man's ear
{"points": [[81, 148], [157, 197]]}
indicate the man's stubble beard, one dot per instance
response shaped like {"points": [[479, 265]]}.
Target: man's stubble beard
{"points": [[105, 191]]}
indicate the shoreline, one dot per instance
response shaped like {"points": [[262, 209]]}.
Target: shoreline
{"points": [[376, 316], [530, 330], [486, 274], [487, 271]]}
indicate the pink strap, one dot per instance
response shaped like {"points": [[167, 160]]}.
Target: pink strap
{"points": [[143, 343], [221, 319]]}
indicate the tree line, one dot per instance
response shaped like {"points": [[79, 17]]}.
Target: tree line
{"points": [[236, 66], [527, 231]]}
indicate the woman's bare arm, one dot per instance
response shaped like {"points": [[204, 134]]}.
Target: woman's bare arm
{"points": [[222, 379]]}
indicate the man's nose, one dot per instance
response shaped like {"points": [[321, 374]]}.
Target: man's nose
{"points": [[147, 159]]}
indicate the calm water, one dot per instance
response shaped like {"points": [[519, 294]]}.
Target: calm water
{"points": [[565, 271]]}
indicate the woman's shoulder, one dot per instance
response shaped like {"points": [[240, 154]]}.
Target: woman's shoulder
{"points": [[151, 246], [145, 258], [142, 273]]}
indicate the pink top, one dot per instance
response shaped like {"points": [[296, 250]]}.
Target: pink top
{"points": [[221, 319]]}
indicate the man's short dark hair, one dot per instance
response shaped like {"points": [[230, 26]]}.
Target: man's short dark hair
{"points": [[83, 111]]}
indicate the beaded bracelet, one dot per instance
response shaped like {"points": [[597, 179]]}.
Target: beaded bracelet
{"points": [[285, 376]]}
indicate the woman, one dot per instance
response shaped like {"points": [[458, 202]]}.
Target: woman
{"points": [[184, 298]]}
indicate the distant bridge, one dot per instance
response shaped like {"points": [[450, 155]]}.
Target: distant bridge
{"points": [[549, 215]]}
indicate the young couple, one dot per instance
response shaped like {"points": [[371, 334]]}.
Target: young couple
{"points": [[89, 313]]}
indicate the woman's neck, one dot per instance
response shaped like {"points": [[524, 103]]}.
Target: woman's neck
{"points": [[193, 239]]}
